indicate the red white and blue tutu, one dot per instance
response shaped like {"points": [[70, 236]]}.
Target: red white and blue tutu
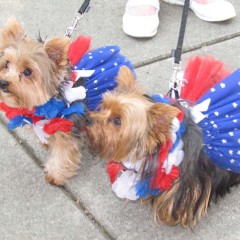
{"points": [[102, 64], [218, 113]]}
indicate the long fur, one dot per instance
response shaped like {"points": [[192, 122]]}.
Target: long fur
{"points": [[49, 66], [144, 127]]}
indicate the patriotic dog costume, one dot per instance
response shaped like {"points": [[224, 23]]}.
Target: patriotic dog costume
{"points": [[177, 154], [96, 69], [216, 111]]}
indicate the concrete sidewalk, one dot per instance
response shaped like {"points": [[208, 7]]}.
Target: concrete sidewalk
{"points": [[86, 208]]}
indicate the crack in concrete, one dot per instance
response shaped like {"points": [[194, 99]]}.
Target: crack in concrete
{"points": [[66, 190], [186, 50]]}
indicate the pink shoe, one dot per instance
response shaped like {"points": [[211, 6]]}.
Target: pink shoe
{"points": [[141, 18], [209, 10]]}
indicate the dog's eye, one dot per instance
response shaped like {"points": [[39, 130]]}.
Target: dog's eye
{"points": [[7, 64], [27, 72], [116, 121]]}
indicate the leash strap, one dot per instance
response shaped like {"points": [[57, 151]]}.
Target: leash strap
{"points": [[78, 16], [84, 7], [176, 53], [175, 82]]}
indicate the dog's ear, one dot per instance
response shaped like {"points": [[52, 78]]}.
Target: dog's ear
{"points": [[160, 118], [57, 50], [125, 79], [12, 32]]}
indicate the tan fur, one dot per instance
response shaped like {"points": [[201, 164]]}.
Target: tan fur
{"points": [[163, 206], [12, 32], [126, 81], [64, 158], [144, 127], [48, 63]]}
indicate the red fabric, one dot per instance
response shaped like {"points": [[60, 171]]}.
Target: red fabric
{"points": [[164, 181], [74, 76], [78, 48], [13, 112], [157, 178], [113, 169], [58, 124], [201, 74], [180, 116], [164, 152]]}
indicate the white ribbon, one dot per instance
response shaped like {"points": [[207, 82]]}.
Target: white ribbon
{"points": [[196, 111], [124, 186], [74, 94], [38, 128], [84, 73], [78, 93], [174, 158]]}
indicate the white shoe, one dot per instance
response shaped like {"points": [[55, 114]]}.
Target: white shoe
{"points": [[141, 18], [210, 10]]}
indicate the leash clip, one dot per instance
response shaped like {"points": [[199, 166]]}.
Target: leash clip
{"points": [[72, 28], [177, 81], [78, 16]]}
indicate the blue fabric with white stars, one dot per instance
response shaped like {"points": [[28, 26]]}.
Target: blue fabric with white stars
{"points": [[106, 62], [221, 125]]}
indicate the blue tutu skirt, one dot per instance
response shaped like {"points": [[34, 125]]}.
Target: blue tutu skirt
{"points": [[221, 125], [105, 62]]}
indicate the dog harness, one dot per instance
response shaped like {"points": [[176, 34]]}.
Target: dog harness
{"points": [[98, 68]]}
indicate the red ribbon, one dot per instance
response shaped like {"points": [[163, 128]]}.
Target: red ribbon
{"points": [[58, 124], [113, 169]]}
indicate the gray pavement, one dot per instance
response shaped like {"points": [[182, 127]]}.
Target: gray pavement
{"points": [[86, 208]]}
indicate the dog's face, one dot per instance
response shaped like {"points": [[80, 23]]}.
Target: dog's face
{"points": [[128, 125], [30, 71]]}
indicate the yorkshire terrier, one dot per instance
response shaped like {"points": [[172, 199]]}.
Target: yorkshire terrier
{"points": [[37, 88], [31, 73], [155, 151]]}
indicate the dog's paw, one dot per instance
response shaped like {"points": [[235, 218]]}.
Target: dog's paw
{"points": [[54, 180], [52, 177]]}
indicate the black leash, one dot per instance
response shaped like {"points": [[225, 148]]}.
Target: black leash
{"points": [[175, 82], [78, 16]]}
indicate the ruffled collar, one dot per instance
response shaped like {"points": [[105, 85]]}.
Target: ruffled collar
{"points": [[153, 174], [46, 119]]}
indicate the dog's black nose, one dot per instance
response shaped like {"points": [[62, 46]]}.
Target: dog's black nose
{"points": [[89, 121], [4, 84]]}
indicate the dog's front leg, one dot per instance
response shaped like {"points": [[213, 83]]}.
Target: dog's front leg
{"points": [[65, 156]]}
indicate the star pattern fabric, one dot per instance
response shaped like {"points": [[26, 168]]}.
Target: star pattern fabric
{"points": [[105, 62], [221, 125]]}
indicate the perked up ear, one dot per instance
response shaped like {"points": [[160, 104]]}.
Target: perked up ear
{"points": [[125, 79], [57, 50], [12, 32], [160, 118]]}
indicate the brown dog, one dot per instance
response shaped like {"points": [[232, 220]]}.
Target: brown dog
{"points": [[155, 151], [31, 73]]}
